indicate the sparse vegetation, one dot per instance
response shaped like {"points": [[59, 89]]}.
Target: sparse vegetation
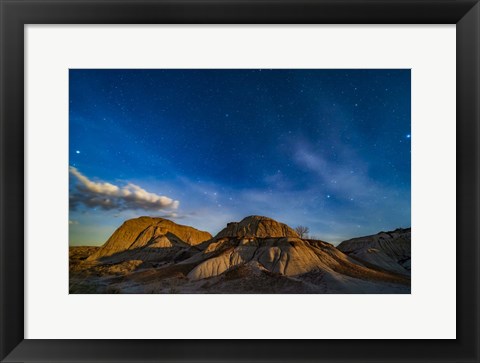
{"points": [[302, 231]]}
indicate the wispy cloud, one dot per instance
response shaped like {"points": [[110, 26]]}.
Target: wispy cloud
{"points": [[363, 204], [346, 177], [108, 196]]}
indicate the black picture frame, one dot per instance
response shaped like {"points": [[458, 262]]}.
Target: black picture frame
{"points": [[17, 13]]}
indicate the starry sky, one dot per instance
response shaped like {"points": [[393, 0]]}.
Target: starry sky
{"points": [[327, 149]]}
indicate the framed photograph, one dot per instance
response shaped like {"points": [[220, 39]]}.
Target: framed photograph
{"points": [[240, 181]]}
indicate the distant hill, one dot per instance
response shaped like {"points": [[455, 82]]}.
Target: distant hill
{"points": [[387, 250]]}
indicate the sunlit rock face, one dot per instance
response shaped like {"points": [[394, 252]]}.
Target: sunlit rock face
{"points": [[257, 226], [277, 249], [283, 255], [154, 234], [255, 255]]}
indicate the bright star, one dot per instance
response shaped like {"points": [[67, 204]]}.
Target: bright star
{"points": [[408, 136], [78, 151]]}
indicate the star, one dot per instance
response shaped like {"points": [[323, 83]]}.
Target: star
{"points": [[293, 135]]}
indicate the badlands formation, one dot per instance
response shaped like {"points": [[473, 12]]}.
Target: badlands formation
{"points": [[255, 255], [148, 239], [388, 250]]}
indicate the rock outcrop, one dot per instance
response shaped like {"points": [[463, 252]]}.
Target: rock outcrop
{"points": [[257, 226], [255, 255], [390, 251], [148, 238], [277, 249]]}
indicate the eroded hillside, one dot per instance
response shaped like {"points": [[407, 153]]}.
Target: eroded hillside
{"points": [[254, 255]]}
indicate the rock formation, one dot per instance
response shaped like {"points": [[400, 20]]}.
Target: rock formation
{"points": [[148, 238], [276, 248], [387, 250], [257, 226], [255, 255]]}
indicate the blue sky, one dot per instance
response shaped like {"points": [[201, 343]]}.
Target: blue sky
{"points": [[329, 149]]}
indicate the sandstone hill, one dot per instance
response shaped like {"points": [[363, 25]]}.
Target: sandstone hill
{"points": [[257, 226], [275, 248], [148, 238], [390, 251], [255, 255]]}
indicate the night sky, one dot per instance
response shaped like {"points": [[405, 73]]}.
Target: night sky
{"points": [[328, 149]]}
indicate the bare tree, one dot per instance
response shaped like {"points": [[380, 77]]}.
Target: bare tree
{"points": [[302, 231]]}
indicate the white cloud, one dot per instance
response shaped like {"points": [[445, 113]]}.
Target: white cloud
{"points": [[109, 196]]}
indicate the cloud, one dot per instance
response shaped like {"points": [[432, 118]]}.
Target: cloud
{"points": [[357, 198], [278, 181], [348, 178], [72, 222], [112, 197]]}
